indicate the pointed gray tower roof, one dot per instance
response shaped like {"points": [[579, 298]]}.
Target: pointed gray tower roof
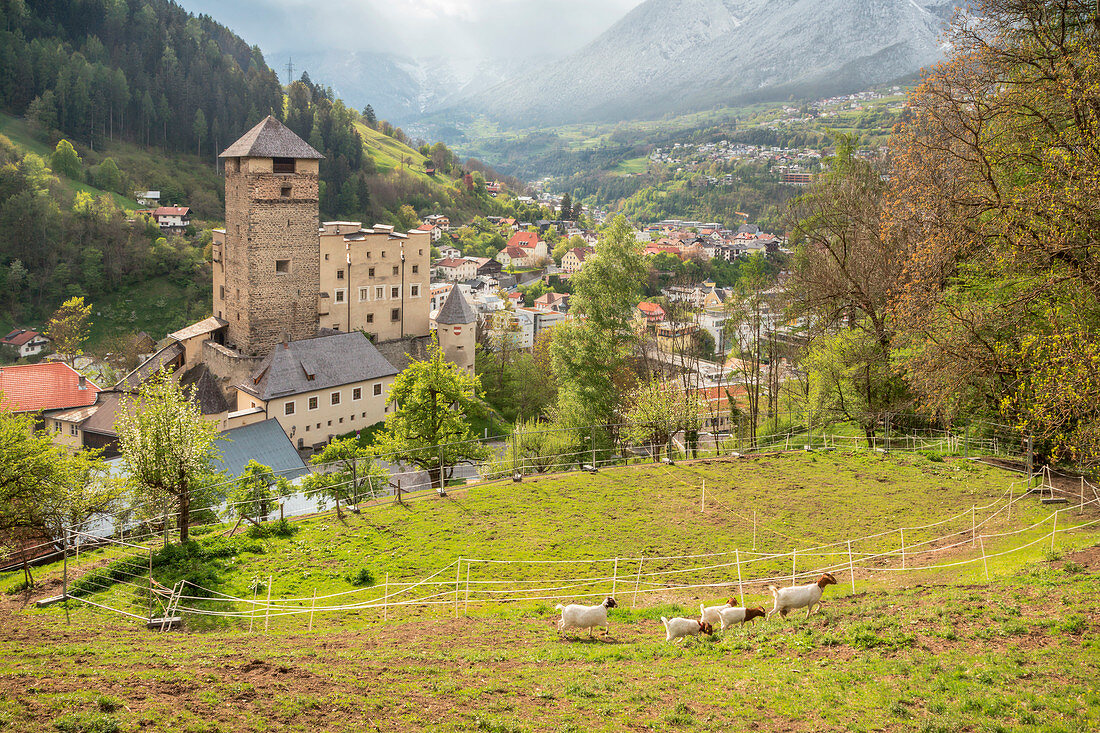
{"points": [[270, 139], [455, 310]]}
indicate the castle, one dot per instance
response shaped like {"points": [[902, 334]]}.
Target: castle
{"points": [[311, 321]]}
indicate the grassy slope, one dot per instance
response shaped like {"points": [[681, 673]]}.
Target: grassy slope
{"points": [[941, 655], [19, 132]]}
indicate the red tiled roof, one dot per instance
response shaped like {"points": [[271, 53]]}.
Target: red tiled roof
{"points": [[45, 386], [18, 337], [651, 309], [524, 239], [425, 227], [172, 211], [451, 262], [516, 252]]}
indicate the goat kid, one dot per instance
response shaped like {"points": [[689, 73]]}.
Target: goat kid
{"points": [[677, 628], [739, 615], [575, 616], [710, 613], [799, 596]]}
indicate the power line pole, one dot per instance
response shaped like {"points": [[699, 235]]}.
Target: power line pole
{"points": [[290, 70]]}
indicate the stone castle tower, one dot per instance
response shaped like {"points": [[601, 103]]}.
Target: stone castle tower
{"points": [[267, 268], [456, 329]]}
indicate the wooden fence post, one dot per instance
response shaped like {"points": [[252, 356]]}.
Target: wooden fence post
{"points": [[252, 616], [703, 497], [458, 576], [615, 578], [973, 526], [466, 607], [903, 548], [267, 618], [851, 568], [740, 585], [754, 530], [386, 600], [794, 565], [1054, 530], [637, 582], [312, 606]]}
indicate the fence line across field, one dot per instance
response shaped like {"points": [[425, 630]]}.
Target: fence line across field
{"points": [[280, 607], [102, 545], [606, 455]]}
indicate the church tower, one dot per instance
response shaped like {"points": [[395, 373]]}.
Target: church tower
{"points": [[456, 329], [267, 267]]}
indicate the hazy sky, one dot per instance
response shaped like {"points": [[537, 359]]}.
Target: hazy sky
{"points": [[495, 28]]}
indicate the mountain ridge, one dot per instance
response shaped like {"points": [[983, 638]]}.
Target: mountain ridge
{"points": [[721, 52]]}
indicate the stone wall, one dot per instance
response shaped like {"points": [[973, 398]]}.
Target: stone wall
{"points": [[270, 217]]}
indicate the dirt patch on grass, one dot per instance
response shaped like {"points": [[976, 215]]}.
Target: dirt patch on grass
{"points": [[1088, 559]]}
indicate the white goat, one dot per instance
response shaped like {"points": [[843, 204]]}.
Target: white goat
{"points": [[575, 616], [799, 596], [710, 613], [677, 628], [739, 615]]}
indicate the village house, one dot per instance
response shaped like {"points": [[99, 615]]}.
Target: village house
{"points": [[574, 259], [488, 267], [450, 252], [435, 232], [552, 303], [439, 220], [319, 388], [25, 342], [514, 257], [530, 241], [649, 314], [48, 390], [456, 270], [170, 218]]}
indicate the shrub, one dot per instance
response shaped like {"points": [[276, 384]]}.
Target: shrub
{"points": [[362, 577], [282, 529]]}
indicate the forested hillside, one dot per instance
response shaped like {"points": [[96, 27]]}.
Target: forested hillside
{"points": [[143, 95]]}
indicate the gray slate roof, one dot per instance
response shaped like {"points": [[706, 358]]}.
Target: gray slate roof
{"points": [[266, 443], [331, 361], [202, 389], [455, 309], [270, 139], [170, 355]]}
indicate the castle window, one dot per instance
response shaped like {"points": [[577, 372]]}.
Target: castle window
{"points": [[421, 251], [335, 398], [395, 270], [395, 292], [284, 191], [370, 272], [378, 390], [395, 314], [379, 293], [364, 294], [357, 393], [326, 256], [221, 292], [313, 404], [339, 295], [288, 408], [416, 269], [282, 165], [282, 266], [339, 274], [383, 253], [414, 291], [370, 318]]}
